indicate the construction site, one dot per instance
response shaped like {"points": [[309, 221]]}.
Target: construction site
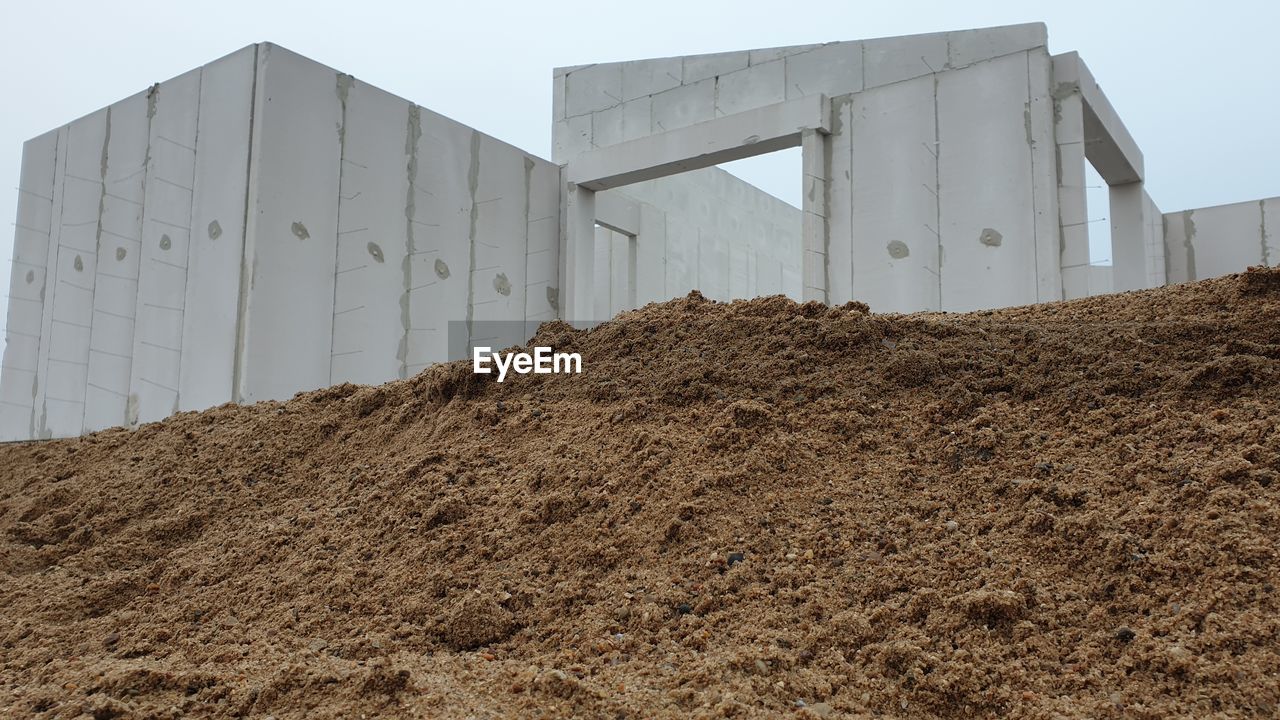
{"points": [[902, 450]]}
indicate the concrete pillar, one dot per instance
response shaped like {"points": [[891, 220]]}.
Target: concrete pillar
{"points": [[579, 262], [1129, 228], [815, 153], [1072, 206]]}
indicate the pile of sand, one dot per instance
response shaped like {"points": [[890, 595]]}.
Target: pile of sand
{"points": [[747, 509]]}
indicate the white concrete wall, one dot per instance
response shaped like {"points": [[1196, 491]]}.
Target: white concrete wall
{"points": [[707, 231], [68, 316], [607, 103], [1207, 242], [944, 191], [215, 253], [42, 162], [127, 181], [371, 225], [936, 140]]}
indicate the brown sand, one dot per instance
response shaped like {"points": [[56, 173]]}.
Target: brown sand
{"points": [[752, 509]]}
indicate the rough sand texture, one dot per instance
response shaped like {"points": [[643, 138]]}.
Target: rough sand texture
{"points": [[752, 509]]}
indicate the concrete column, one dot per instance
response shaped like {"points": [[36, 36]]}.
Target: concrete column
{"points": [[579, 263], [1129, 229], [1072, 205], [814, 151]]}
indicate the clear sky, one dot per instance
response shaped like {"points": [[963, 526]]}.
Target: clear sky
{"points": [[1195, 82]]}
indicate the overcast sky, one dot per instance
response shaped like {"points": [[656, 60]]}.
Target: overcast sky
{"points": [[1195, 82]]}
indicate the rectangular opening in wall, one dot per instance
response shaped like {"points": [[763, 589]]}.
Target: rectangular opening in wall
{"points": [[731, 231], [1098, 212], [615, 261]]}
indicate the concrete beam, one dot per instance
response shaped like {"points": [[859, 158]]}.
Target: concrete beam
{"points": [[1108, 144], [733, 137]]}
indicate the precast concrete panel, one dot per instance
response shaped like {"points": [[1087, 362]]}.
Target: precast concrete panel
{"points": [[115, 296], [894, 200], [1073, 217], [622, 273], [211, 310], [839, 163], [750, 88], [27, 286], [642, 78], [684, 106], [894, 59], [292, 228], [651, 245], [601, 275], [542, 256], [1225, 239], [713, 265], [498, 245], [447, 164], [833, 69], [790, 281], [739, 271], [985, 186], [702, 67], [1155, 244], [367, 325], [606, 127], [682, 258], [38, 413], [595, 87], [1039, 119], [966, 47], [60, 399], [1179, 252], [164, 255]]}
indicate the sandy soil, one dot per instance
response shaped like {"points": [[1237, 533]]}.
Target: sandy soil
{"points": [[755, 509]]}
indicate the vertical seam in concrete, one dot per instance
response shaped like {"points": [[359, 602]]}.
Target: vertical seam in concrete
{"points": [[862, 51], [129, 404], [242, 307], [473, 182], [191, 237], [937, 185], [59, 148], [1262, 228], [413, 131], [342, 87], [1031, 153], [847, 126], [97, 254], [666, 254], [40, 430], [1188, 242], [528, 189]]}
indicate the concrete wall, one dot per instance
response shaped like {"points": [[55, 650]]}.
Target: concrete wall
{"points": [[711, 232], [930, 204], [1208, 242], [144, 284]]}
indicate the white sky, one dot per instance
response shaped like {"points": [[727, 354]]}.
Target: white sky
{"points": [[1195, 82]]}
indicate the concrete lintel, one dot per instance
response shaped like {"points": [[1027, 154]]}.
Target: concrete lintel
{"points": [[733, 137], [1108, 144]]}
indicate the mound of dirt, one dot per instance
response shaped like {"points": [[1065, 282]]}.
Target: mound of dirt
{"points": [[750, 509]]}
